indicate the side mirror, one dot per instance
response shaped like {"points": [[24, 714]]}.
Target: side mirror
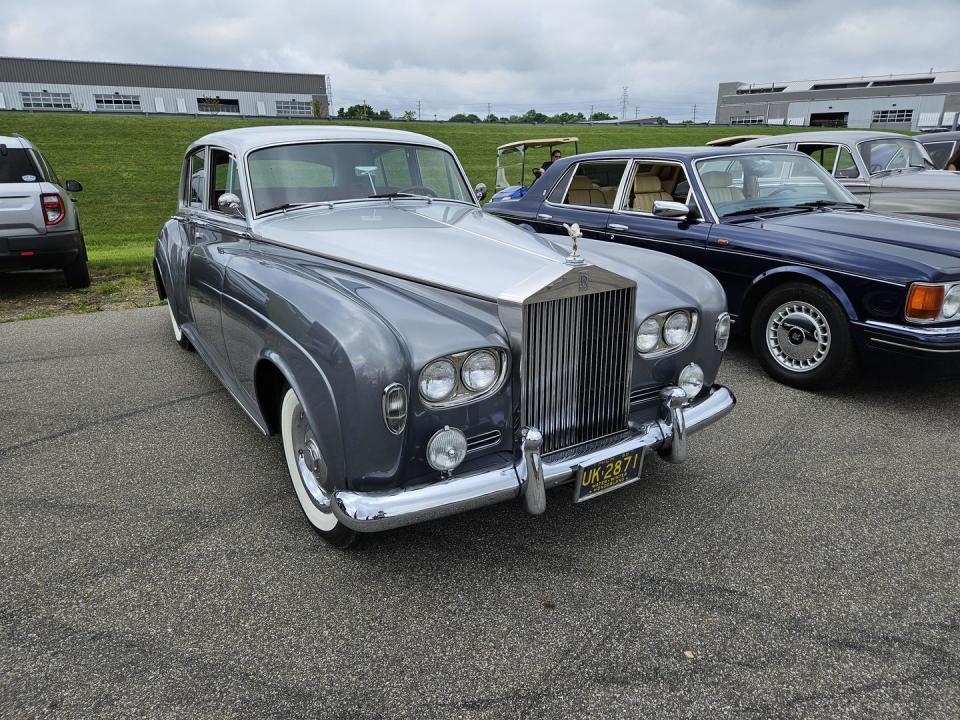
{"points": [[480, 191], [670, 209], [230, 204], [73, 186]]}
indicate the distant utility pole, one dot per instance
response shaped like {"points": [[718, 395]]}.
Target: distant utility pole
{"points": [[636, 112], [623, 103], [488, 110], [694, 113], [590, 116], [418, 109], [329, 95]]}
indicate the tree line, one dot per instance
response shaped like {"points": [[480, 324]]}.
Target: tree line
{"points": [[364, 111]]}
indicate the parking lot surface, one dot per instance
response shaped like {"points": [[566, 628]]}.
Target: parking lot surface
{"points": [[154, 561]]}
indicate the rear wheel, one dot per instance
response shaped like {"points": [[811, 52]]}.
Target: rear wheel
{"points": [[309, 473], [76, 273], [801, 337]]}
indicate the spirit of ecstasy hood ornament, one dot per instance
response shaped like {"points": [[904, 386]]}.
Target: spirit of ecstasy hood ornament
{"points": [[574, 258]]}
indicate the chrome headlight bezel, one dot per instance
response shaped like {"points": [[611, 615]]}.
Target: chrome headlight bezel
{"points": [[662, 347], [461, 393]]}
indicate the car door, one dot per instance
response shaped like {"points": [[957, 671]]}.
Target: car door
{"points": [[585, 194], [632, 222], [204, 273]]}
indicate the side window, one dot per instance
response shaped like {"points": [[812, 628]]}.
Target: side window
{"points": [[594, 184], [654, 181], [826, 155], [224, 175], [560, 189], [194, 185], [48, 174], [940, 152], [846, 165]]}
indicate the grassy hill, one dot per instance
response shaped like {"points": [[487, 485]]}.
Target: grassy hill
{"points": [[130, 166]]}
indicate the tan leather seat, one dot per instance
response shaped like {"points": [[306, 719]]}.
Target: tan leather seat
{"points": [[582, 192], [718, 185], [647, 189]]}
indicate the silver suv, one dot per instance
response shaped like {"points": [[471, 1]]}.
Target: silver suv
{"points": [[39, 225]]}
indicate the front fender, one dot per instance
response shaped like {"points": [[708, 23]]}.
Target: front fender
{"points": [[764, 278]]}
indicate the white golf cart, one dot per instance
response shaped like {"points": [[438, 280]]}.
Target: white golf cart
{"points": [[512, 182]]}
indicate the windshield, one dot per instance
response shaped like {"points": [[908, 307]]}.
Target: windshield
{"points": [[16, 166], [767, 182], [290, 175], [893, 154]]}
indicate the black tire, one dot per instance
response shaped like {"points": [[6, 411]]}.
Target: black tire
{"points": [[178, 335], [76, 273], [797, 320], [292, 429]]}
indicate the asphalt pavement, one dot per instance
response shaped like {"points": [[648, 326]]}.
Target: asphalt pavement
{"points": [[154, 561]]}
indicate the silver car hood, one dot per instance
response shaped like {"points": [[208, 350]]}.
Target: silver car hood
{"points": [[922, 179], [443, 244]]}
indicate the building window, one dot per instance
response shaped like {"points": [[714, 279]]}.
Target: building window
{"points": [[760, 90], [893, 116], [46, 101], [747, 120], [118, 103], [217, 105], [294, 107]]}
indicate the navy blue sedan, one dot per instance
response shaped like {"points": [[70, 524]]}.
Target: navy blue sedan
{"points": [[817, 281]]}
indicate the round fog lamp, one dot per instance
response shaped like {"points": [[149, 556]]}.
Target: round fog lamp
{"points": [[446, 449], [722, 336], [479, 370], [951, 302], [437, 380], [676, 329], [648, 335], [691, 380]]}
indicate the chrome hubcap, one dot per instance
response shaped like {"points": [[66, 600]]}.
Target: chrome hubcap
{"points": [[798, 336], [310, 463]]}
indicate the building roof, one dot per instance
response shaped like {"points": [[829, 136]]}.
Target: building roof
{"points": [[241, 140], [789, 86], [75, 72]]}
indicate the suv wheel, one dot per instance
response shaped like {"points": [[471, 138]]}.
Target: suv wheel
{"points": [[76, 273], [801, 337]]}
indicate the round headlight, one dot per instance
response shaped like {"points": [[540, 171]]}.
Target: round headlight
{"points": [[438, 380], [648, 335], [722, 337], [951, 302], [676, 329], [446, 449], [691, 380], [479, 370]]}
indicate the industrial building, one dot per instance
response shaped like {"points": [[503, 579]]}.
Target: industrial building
{"points": [[890, 102], [38, 85]]}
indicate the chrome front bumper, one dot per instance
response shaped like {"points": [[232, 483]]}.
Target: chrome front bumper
{"points": [[529, 479]]}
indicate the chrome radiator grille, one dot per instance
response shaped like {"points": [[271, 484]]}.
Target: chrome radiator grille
{"points": [[576, 367]]}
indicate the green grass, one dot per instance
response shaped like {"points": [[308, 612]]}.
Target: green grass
{"points": [[130, 166]]}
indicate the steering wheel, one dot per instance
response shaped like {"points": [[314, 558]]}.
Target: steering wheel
{"points": [[875, 168], [419, 190], [784, 189]]}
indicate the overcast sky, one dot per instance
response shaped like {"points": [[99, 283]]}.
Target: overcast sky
{"points": [[458, 56]]}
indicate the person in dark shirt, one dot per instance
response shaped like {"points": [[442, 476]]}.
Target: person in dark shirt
{"points": [[954, 162], [554, 156]]}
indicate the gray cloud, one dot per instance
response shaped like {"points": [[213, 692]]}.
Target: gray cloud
{"points": [[459, 56]]}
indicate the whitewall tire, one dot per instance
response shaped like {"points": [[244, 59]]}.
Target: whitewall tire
{"points": [[177, 330]]}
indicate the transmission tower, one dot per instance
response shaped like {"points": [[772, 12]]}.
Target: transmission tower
{"points": [[623, 103]]}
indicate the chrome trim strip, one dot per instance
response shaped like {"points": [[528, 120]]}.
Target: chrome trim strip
{"points": [[918, 329], [377, 511], [919, 348]]}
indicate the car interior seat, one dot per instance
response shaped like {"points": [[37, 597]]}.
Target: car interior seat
{"points": [[647, 189], [719, 187]]}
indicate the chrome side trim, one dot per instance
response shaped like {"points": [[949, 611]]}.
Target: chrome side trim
{"points": [[377, 511], [916, 329], [918, 348]]}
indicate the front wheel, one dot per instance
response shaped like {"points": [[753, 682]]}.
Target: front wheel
{"points": [[309, 473], [801, 337]]}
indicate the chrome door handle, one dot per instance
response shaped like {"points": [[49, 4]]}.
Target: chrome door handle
{"points": [[544, 216], [618, 227]]}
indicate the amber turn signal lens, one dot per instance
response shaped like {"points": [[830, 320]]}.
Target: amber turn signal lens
{"points": [[924, 301]]}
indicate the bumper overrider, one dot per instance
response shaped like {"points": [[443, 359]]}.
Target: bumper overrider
{"points": [[531, 476]]}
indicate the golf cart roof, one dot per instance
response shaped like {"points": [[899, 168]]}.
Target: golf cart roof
{"points": [[528, 144]]}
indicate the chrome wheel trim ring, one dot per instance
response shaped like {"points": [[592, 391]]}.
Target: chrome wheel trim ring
{"points": [[308, 469], [177, 332], [798, 336]]}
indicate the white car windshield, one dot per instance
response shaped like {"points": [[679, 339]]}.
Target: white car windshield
{"points": [[893, 154], [290, 175], [761, 182]]}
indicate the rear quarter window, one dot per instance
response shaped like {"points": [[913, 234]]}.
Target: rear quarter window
{"points": [[16, 166]]}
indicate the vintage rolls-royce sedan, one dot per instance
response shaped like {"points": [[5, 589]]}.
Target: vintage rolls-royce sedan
{"points": [[417, 356], [816, 281]]}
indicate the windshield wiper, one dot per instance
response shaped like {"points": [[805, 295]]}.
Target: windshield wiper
{"points": [[392, 195], [828, 203], [759, 210]]}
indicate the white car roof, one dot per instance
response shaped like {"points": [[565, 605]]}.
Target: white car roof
{"points": [[243, 140]]}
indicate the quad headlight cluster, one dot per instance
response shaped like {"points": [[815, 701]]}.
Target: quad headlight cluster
{"points": [[461, 377], [666, 332], [933, 302]]}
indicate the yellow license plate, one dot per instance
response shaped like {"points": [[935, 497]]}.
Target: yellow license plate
{"points": [[606, 475]]}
